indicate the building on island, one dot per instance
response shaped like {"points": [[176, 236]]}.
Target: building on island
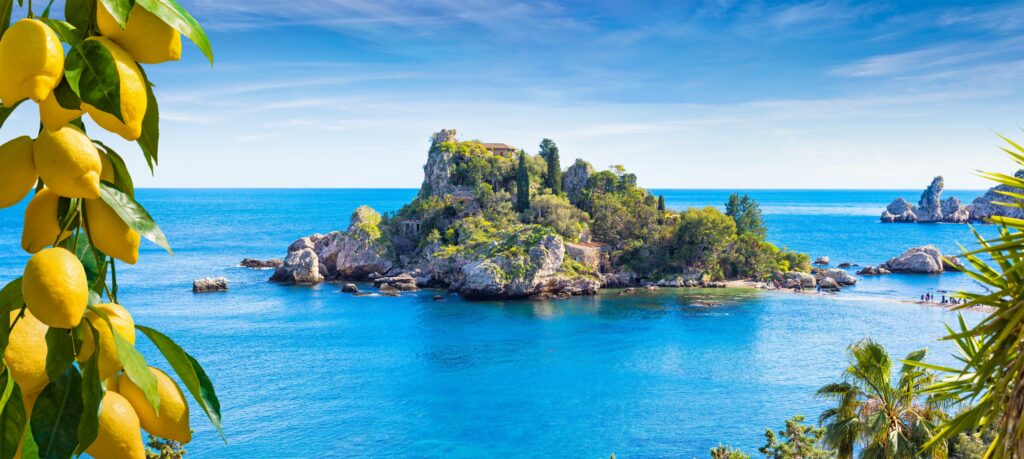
{"points": [[500, 149]]}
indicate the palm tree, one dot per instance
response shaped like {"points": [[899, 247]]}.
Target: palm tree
{"points": [[886, 416]]}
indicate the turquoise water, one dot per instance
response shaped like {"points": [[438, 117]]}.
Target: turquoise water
{"points": [[311, 372]]}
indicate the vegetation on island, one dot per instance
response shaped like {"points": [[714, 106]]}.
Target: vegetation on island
{"points": [[910, 408], [494, 197]]}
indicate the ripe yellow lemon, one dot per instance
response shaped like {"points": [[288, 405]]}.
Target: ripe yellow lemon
{"points": [[147, 38], [18, 174], [41, 225], [53, 115], [119, 435], [26, 353], [31, 62], [133, 95], [171, 422], [107, 171], [55, 287], [109, 233], [112, 383], [68, 162], [109, 362]]}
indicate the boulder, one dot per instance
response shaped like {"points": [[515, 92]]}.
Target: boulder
{"points": [[359, 251], [844, 265], [840, 276], [828, 283], [210, 284], [350, 288], [917, 260], [678, 281], [873, 271], [261, 264], [821, 261], [985, 206], [794, 279], [953, 211], [300, 267], [301, 243]]}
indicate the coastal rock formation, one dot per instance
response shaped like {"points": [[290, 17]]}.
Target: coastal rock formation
{"points": [[794, 279], [829, 284], [350, 288], [261, 264], [210, 284], [401, 283], [822, 261], [575, 179], [437, 173], [929, 208], [619, 279], [917, 260], [899, 211], [301, 267], [985, 206], [838, 275], [490, 278], [585, 255], [873, 271], [954, 211], [359, 251]]}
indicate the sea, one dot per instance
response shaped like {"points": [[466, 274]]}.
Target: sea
{"points": [[308, 371]]}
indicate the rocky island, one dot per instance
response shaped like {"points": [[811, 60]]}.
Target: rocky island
{"points": [[931, 208], [493, 222]]}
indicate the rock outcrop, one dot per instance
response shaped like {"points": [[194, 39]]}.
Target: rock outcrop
{"points": [[359, 251], [437, 173], [301, 267], [210, 284], [829, 284], [917, 260], [954, 211], [873, 271], [585, 255], [840, 276], [822, 261], [575, 179], [899, 211], [261, 264], [929, 208], [985, 206], [794, 279]]}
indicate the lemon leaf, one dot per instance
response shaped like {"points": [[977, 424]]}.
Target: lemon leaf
{"points": [[122, 177], [178, 18], [79, 13], [64, 30], [5, 112], [119, 9], [55, 415], [91, 258], [190, 372], [60, 352], [6, 6], [150, 138], [92, 394], [12, 419], [133, 214], [66, 96], [29, 448], [92, 74]]}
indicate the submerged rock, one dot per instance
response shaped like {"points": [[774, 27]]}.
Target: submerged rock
{"points": [[210, 284], [350, 288], [873, 271], [261, 264]]}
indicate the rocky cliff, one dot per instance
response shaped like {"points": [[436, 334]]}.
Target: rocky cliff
{"points": [[985, 206], [930, 208]]}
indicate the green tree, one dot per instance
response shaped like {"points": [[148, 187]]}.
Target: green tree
{"points": [[556, 212], [553, 179], [703, 234], [745, 211], [661, 203], [887, 417], [798, 441], [728, 452], [522, 184]]}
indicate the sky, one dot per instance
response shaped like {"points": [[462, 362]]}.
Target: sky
{"points": [[686, 94]]}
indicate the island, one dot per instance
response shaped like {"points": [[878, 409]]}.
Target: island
{"points": [[491, 221], [931, 208]]}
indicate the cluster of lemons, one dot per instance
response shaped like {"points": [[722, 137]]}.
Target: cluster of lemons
{"points": [[55, 287]]}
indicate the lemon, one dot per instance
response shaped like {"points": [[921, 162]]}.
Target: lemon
{"points": [[41, 225], [109, 362], [55, 287], [133, 95], [119, 435], [109, 233], [68, 162], [171, 422], [26, 353], [18, 175], [112, 383], [107, 171], [146, 37], [31, 62], [53, 115]]}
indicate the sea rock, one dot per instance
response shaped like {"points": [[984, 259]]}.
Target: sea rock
{"points": [[301, 243], [300, 267], [678, 281], [822, 261], [210, 284], [828, 283], [794, 279], [261, 264], [359, 251], [954, 211], [489, 278], [840, 276], [873, 271], [575, 179], [619, 279], [917, 260], [844, 265], [984, 207], [899, 211], [403, 282], [439, 170], [350, 288], [929, 208], [713, 284]]}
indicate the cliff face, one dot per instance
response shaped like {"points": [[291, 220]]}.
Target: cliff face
{"points": [[985, 206], [437, 173]]}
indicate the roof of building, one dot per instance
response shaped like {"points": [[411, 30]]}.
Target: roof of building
{"points": [[497, 146]]}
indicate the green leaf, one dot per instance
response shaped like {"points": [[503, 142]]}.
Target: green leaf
{"points": [[119, 9], [150, 138], [91, 258], [79, 13], [66, 96], [64, 30], [92, 74], [190, 372], [134, 215], [6, 6], [29, 448], [5, 112], [92, 394], [46, 12], [12, 419], [122, 177], [60, 352], [177, 17], [55, 416], [134, 364], [10, 300]]}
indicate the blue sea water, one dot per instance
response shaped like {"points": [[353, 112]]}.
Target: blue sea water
{"points": [[312, 372]]}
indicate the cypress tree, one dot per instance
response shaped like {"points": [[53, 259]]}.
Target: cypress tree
{"points": [[554, 179], [661, 203], [522, 184]]}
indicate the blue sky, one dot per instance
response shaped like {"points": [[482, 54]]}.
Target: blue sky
{"points": [[717, 94]]}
